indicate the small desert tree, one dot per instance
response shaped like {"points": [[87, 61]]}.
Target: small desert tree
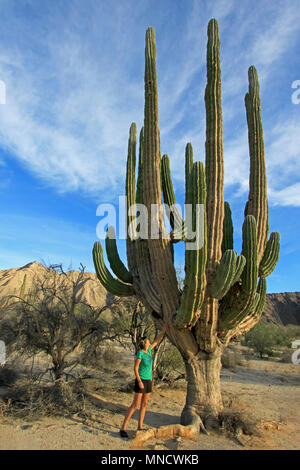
{"points": [[264, 337], [53, 318]]}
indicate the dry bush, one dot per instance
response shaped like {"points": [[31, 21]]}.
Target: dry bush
{"points": [[235, 418], [54, 319], [31, 399]]}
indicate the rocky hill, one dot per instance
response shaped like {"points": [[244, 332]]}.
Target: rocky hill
{"points": [[282, 309], [16, 280]]}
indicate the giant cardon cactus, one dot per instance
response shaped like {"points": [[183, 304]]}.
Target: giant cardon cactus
{"points": [[224, 293]]}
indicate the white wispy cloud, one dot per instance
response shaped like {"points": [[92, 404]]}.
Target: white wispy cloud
{"points": [[75, 84]]}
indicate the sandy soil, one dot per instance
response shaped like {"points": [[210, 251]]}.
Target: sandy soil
{"points": [[267, 390]]}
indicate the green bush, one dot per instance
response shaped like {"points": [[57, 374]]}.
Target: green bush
{"points": [[265, 337]]}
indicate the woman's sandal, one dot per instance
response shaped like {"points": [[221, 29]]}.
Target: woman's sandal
{"points": [[123, 433]]}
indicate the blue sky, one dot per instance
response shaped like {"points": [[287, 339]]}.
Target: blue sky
{"points": [[74, 74]]}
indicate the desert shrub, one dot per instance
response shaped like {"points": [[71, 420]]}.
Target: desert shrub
{"points": [[31, 399], [264, 338], [235, 418]]}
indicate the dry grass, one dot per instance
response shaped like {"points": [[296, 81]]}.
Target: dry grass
{"points": [[235, 419], [32, 400]]}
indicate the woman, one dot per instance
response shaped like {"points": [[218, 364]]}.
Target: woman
{"points": [[143, 381]]}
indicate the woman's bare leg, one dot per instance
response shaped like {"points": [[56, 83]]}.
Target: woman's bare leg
{"points": [[135, 404], [144, 402]]}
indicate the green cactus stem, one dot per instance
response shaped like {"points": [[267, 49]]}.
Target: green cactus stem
{"points": [[139, 185], [227, 242], [228, 272], [195, 259], [237, 307], [250, 321], [189, 159], [114, 286], [176, 220], [130, 179], [271, 255], [163, 271], [113, 257], [214, 168], [257, 199]]}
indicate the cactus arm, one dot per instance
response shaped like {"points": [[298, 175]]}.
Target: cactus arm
{"points": [[180, 234], [251, 320], [176, 220], [214, 167], [249, 250], [130, 179], [271, 255], [214, 164], [114, 286], [262, 291], [115, 262], [164, 274], [139, 185], [224, 275], [257, 199], [228, 272], [195, 260], [188, 172], [227, 242], [141, 248], [130, 195], [237, 307], [240, 264]]}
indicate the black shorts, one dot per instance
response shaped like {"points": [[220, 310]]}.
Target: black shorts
{"points": [[147, 386]]}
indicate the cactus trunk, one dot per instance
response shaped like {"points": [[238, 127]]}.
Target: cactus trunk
{"points": [[203, 398]]}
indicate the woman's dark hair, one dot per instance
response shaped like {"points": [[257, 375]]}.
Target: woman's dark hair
{"points": [[142, 342]]}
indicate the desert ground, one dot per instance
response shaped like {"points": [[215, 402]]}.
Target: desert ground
{"points": [[267, 391]]}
